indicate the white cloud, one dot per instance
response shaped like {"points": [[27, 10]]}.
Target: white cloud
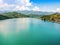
{"points": [[36, 8], [21, 8], [23, 2], [19, 5], [23, 5], [58, 10], [1, 1], [6, 7]]}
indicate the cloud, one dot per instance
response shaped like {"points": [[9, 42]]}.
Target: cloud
{"points": [[23, 2], [22, 8], [1, 1], [5, 6], [36, 8], [18, 5], [58, 10], [22, 5]]}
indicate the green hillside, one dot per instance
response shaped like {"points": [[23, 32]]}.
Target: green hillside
{"points": [[52, 18], [10, 15]]}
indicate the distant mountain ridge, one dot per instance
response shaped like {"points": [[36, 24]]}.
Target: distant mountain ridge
{"points": [[36, 12], [53, 17], [31, 12]]}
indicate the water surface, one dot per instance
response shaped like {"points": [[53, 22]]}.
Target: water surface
{"points": [[29, 31]]}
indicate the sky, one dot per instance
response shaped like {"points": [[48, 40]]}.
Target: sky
{"points": [[30, 5]]}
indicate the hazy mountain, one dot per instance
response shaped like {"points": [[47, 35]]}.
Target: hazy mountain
{"points": [[36, 12], [31, 12]]}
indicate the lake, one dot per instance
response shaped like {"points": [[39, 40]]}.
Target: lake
{"points": [[29, 31]]}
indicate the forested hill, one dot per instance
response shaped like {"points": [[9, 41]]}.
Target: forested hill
{"points": [[52, 18], [10, 15]]}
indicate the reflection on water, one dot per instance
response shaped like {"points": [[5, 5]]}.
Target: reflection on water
{"points": [[29, 31]]}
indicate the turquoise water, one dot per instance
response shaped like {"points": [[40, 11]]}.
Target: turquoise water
{"points": [[29, 31]]}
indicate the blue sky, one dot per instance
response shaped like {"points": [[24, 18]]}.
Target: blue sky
{"points": [[47, 4], [34, 5], [44, 1]]}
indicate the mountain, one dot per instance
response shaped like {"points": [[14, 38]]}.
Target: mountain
{"points": [[31, 12], [2, 17], [36, 12], [51, 18]]}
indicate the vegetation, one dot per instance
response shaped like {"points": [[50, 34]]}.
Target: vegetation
{"points": [[10, 15], [51, 18], [3, 17], [14, 15]]}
